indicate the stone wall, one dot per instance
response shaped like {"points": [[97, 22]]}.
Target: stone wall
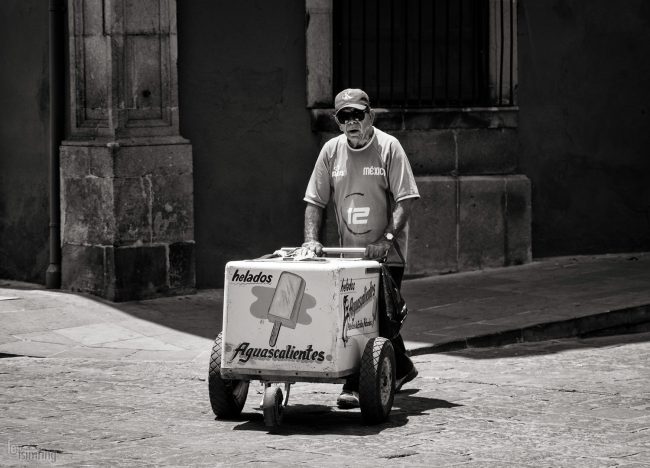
{"points": [[127, 218], [475, 208]]}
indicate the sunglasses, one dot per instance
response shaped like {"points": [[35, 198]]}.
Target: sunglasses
{"points": [[345, 116]]}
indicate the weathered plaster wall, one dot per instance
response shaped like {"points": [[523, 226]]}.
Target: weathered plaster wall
{"points": [[584, 123], [23, 140], [242, 105]]}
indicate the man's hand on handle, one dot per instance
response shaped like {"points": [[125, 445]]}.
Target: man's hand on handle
{"points": [[312, 246], [378, 250]]}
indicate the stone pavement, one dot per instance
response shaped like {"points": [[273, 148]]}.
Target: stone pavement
{"points": [[125, 384], [563, 403], [549, 298]]}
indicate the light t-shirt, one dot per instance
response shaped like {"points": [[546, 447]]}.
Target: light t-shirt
{"points": [[364, 185]]}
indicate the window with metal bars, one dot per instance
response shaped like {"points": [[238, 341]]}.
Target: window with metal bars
{"points": [[423, 53]]}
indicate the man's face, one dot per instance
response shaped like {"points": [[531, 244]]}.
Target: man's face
{"points": [[356, 124]]}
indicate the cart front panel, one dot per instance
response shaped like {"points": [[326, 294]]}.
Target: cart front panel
{"points": [[310, 318]]}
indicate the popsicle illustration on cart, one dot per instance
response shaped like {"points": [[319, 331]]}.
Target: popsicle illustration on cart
{"points": [[285, 305]]}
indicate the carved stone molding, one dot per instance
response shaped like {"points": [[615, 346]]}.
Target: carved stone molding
{"points": [[123, 74]]}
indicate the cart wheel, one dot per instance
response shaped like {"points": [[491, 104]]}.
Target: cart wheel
{"points": [[227, 397], [377, 380], [273, 406]]}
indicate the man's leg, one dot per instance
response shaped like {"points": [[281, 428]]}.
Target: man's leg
{"points": [[349, 397], [405, 369]]}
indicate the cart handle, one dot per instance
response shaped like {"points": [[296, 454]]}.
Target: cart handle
{"points": [[344, 250], [335, 250]]}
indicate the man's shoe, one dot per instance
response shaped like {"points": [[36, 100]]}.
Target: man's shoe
{"points": [[410, 375], [348, 400]]}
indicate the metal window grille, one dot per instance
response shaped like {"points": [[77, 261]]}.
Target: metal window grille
{"points": [[426, 53]]}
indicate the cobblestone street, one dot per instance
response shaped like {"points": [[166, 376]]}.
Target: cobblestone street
{"points": [[559, 403]]}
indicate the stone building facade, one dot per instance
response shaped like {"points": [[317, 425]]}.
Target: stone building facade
{"points": [[191, 128]]}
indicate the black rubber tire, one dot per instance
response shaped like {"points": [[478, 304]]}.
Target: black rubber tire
{"points": [[227, 397], [273, 409], [377, 380]]}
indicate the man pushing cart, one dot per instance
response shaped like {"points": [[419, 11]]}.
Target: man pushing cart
{"points": [[322, 313], [367, 176]]}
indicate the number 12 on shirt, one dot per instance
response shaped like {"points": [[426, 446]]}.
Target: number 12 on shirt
{"points": [[358, 215]]}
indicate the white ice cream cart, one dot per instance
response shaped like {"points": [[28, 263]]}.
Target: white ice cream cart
{"points": [[291, 319]]}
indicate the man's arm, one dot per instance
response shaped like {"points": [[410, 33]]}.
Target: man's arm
{"points": [[401, 213], [313, 222]]}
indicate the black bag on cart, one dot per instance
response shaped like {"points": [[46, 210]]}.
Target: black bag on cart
{"points": [[392, 306]]}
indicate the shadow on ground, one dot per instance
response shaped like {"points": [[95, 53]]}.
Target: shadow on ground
{"points": [[539, 348], [319, 419], [200, 314]]}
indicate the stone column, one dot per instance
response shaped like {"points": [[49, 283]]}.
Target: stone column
{"points": [[126, 173]]}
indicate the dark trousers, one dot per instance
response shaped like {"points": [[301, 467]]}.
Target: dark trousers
{"points": [[403, 363]]}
